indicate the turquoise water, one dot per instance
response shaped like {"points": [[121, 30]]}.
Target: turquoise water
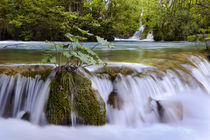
{"points": [[19, 52]]}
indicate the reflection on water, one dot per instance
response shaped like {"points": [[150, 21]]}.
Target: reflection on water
{"points": [[19, 56], [137, 52]]}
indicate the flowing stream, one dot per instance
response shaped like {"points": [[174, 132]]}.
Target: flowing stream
{"points": [[167, 97]]}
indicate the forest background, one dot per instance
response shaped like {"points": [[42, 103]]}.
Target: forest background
{"points": [[40, 20]]}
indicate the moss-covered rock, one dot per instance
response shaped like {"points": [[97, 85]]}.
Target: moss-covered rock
{"points": [[88, 104], [72, 91], [58, 109], [113, 71], [27, 70]]}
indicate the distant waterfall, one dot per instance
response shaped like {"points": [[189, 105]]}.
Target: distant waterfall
{"points": [[149, 37], [137, 35]]}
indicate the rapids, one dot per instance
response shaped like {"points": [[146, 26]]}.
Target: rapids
{"points": [[20, 95], [155, 103]]}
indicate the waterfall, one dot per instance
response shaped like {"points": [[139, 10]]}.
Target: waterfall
{"points": [[73, 116], [153, 97], [23, 97], [149, 37], [137, 35], [146, 96]]}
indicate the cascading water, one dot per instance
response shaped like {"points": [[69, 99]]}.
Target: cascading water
{"points": [[21, 95], [147, 99], [73, 116], [137, 35], [149, 37], [150, 104]]}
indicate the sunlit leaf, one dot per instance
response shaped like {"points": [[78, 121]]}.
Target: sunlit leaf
{"points": [[66, 54], [104, 42], [85, 32]]}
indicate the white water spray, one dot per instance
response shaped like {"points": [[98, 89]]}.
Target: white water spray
{"points": [[20, 95], [173, 105], [145, 99]]}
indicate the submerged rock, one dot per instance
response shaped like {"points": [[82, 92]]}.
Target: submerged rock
{"points": [[26, 116], [167, 111], [72, 92], [207, 52], [115, 101]]}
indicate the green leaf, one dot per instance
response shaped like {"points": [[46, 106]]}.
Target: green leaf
{"points": [[76, 52], [85, 32], [104, 42], [53, 44], [72, 38], [89, 51], [81, 38], [66, 54]]}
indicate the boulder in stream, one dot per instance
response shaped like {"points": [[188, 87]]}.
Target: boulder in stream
{"points": [[72, 92], [115, 101]]}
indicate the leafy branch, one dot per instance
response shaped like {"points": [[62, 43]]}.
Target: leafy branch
{"points": [[75, 52]]}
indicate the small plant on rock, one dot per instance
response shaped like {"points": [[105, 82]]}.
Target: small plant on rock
{"points": [[71, 92], [75, 52]]}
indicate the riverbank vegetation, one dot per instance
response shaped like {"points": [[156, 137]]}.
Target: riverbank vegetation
{"points": [[170, 20], [50, 20], [175, 20]]}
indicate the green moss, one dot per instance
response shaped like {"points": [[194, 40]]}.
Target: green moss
{"points": [[87, 104], [59, 103], [44, 74], [27, 70], [114, 71]]}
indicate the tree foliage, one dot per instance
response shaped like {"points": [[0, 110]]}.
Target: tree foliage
{"points": [[51, 19], [175, 19]]}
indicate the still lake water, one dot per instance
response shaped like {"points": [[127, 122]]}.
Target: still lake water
{"points": [[17, 52]]}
